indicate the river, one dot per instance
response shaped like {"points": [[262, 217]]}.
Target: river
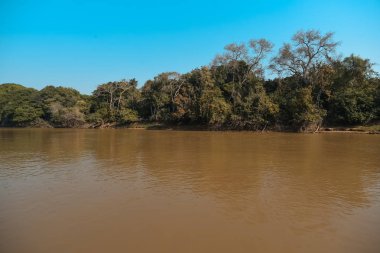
{"points": [[119, 190]]}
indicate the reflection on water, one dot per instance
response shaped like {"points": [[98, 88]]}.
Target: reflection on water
{"points": [[168, 191]]}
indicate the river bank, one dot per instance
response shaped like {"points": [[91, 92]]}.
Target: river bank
{"points": [[374, 129], [152, 125], [370, 129]]}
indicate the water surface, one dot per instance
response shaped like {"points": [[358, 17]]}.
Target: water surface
{"points": [[168, 191]]}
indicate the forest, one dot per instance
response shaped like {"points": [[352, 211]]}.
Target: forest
{"points": [[302, 87]]}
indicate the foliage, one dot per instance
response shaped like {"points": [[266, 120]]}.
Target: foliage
{"points": [[312, 87], [17, 105], [115, 102], [214, 110], [62, 107], [355, 92]]}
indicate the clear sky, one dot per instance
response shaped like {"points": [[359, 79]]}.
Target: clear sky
{"points": [[82, 44]]}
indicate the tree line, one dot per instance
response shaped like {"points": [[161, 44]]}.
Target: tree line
{"points": [[309, 86]]}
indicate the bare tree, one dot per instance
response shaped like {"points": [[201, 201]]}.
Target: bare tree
{"points": [[252, 54], [308, 50]]}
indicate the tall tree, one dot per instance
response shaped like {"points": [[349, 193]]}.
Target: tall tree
{"points": [[252, 54], [307, 59], [115, 101], [63, 107], [18, 105], [307, 50], [354, 92]]}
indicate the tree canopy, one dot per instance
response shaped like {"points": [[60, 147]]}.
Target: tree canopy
{"points": [[309, 86]]}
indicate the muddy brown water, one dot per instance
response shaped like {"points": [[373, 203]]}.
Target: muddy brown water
{"points": [[180, 191]]}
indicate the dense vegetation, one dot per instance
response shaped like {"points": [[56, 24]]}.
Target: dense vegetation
{"points": [[309, 87]]}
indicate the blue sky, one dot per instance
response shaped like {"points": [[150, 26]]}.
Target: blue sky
{"points": [[82, 44]]}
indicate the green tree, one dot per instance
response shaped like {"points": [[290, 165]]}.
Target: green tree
{"points": [[18, 106], [161, 96], [115, 102], [238, 64], [214, 110], [62, 107], [354, 92], [307, 60]]}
